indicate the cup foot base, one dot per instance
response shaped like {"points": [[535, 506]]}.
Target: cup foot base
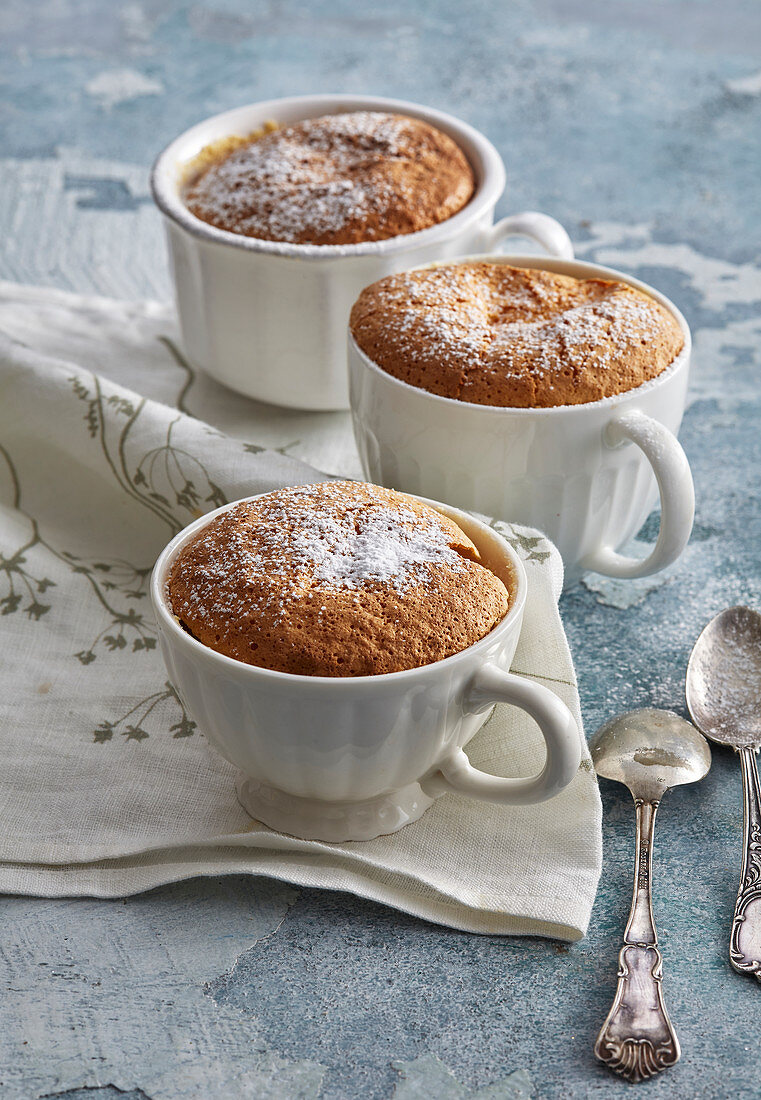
{"points": [[311, 819]]}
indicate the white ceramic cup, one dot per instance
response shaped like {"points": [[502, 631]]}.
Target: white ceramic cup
{"points": [[350, 758], [586, 475], [267, 318]]}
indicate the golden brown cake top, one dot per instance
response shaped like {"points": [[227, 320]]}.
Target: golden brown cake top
{"points": [[493, 334], [338, 179], [338, 579]]}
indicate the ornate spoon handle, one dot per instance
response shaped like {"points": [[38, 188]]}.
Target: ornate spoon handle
{"points": [[745, 942], [637, 1039]]}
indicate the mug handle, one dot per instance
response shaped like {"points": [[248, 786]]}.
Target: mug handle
{"points": [[672, 472], [561, 736], [537, 227]]}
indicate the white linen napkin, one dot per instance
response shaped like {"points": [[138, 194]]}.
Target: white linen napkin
{"points": [[107, 786]]}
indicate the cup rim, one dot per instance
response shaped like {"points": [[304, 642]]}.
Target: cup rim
{"points": [[488, 189], [579, 269], [203, 652]]}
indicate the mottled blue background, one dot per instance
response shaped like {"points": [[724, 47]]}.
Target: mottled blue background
{"points": [[635, 122]]}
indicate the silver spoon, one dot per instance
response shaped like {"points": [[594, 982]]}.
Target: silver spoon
{"points": [[649, 751], [724, 699]]}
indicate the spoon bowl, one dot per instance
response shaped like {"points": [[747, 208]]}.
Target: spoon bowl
{"points": [[724, 679], [650, 751]]}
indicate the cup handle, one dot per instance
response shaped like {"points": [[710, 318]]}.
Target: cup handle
{"points": [[672, 472], [537, 227], [559, 729]]}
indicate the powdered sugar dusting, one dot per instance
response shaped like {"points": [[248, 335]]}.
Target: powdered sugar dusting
{"points": [[319, 178], [382, 547], [601, 330], [301, 543], [465, 325], [462, 317], [338, 579]]}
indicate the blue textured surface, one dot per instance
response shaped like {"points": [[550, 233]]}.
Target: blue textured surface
{"points": [[610, 114]]}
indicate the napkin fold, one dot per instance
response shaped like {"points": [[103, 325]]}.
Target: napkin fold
{"points": [[108, 787]]}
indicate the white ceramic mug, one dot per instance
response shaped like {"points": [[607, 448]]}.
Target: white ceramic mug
{"points": [[268, 318], [351, 758], [586, 475]]}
